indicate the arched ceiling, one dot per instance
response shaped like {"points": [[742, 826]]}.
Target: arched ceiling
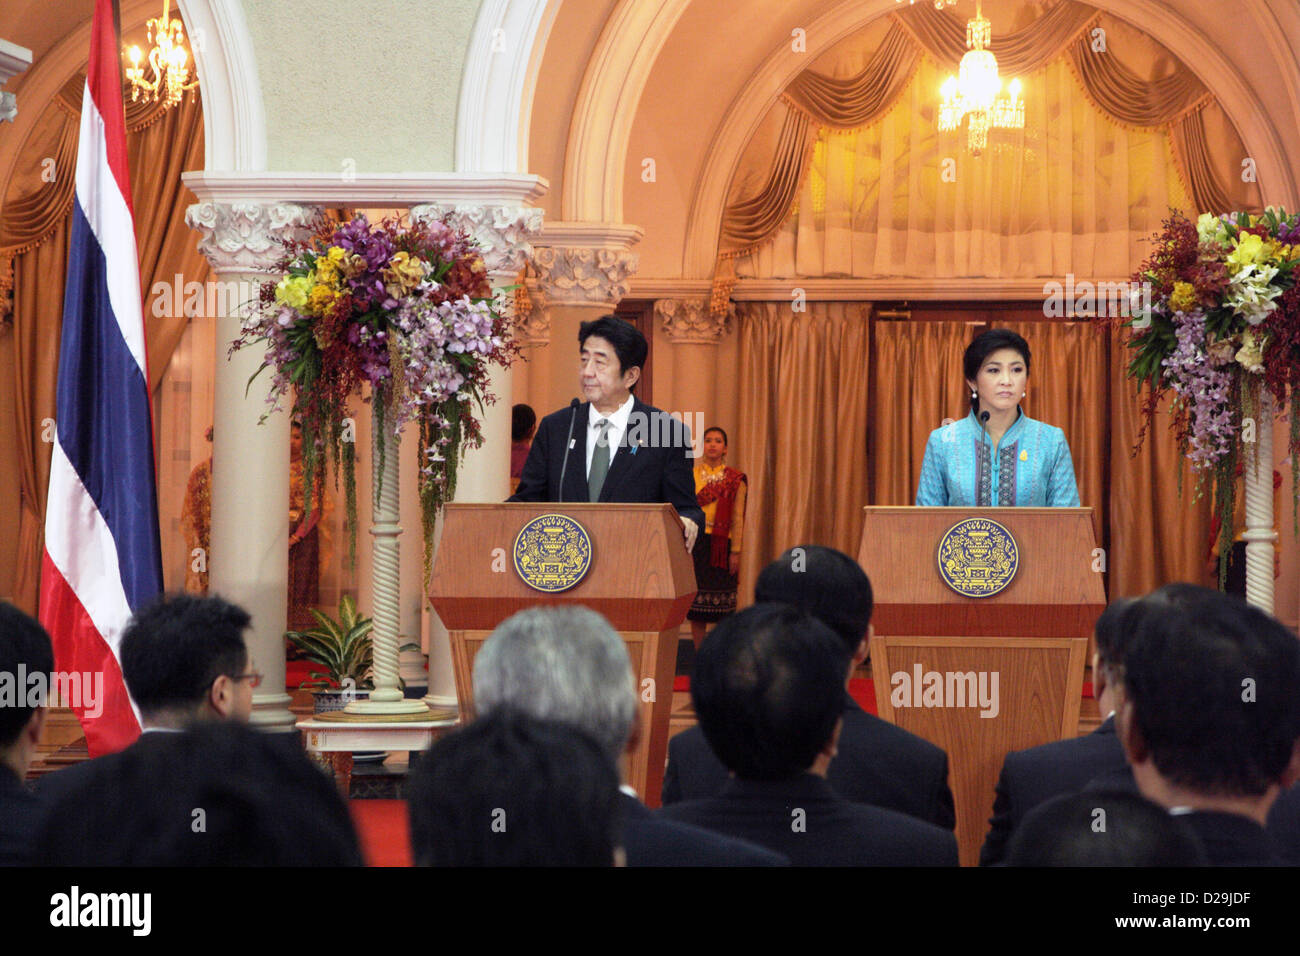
{"points": [[722, 64]]}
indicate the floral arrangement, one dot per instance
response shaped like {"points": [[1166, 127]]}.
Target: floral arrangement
{"points": [[407, 309], [1224, 326]]}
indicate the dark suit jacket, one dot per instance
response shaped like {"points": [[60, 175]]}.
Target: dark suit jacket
{"points": [[877, 763], [18, 813], [1032, 776], [807, 821], [1232, 840], [651, 841], [1284, 825], [651, 464]]}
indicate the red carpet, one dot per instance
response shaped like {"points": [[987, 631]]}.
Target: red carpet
{"points": [[384, 831]]}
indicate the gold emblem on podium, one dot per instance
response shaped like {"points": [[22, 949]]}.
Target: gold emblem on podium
{"points": [[978, 557], [552, 553]]}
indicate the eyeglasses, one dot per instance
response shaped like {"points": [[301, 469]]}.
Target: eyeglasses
{"points": [[254, 678]]}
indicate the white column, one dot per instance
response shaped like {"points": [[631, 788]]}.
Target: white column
{"points": [[249, 563], [1260, 533], [503, 232]]}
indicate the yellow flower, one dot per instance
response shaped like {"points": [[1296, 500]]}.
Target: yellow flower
{"points": [[403, 273], [327, 273], [1183, 298], [1250, 251], [352, 265], [336, 254], [292, 291], [320, 300]]}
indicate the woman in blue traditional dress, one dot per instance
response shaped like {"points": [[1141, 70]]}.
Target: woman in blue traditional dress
{"points": [[997, 455]]}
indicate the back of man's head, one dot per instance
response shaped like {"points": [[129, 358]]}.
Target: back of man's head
{"points": [[25, 649], [564, 664], [175, 648], [826, 583], [510, 790], [768, 690], [218, 794], [1103, 828], [1214, 687]]}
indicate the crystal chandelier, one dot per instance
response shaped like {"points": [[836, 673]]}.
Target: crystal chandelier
{"points": [[974, 94], [167, 62]]}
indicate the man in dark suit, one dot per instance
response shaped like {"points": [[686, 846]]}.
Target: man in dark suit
{"points": [[767, 688], [184, 661], [1033, 776], [1210, 717], [877, 763], [567, 664], [25, 650], [612, 447], [1284, 824]]}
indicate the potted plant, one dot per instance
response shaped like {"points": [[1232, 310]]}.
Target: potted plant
{"points": [[344, 650]]}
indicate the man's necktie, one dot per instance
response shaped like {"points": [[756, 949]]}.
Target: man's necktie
{"points": [[599, 461]]}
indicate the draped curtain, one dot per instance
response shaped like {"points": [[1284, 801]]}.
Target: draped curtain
{"points": [[34, 236], [1123, 93], [803, 385]]}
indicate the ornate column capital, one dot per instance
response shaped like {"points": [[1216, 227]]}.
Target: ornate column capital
{"points": [[586, 263], [504, 231], [247, 237], [689, 321]]}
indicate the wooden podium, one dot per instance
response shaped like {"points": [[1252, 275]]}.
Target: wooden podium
{"points": [[1034, 635], [640, 578]]}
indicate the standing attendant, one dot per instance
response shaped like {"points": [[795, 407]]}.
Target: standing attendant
{"points": [[612, 447], [720, 491], [997, 455]]}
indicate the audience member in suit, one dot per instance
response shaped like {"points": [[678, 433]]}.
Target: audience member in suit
{"points": [[877, 763], [567, 664], [1284, 824], [25, 650], [511, 790], [184, 662], [638, 454], [766, 689], [1210, 717], [1097, 828], [220, 794], [1030, 777]]}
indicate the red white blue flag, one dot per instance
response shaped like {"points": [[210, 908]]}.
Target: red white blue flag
{"points": [[102, 559]]}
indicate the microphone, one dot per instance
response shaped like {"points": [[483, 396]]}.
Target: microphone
{"points": [[568, 443], [984, 424]]}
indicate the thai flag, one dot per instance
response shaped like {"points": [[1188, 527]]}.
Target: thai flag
{"points": [[102, 559]]}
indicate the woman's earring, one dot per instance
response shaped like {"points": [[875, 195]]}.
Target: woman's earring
{"points": [[974, 394]]}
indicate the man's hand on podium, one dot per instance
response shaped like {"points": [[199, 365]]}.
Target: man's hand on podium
{"points": [[690, 529]]}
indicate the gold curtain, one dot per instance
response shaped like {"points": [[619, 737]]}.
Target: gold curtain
{"points": [[1156, 534], [1153, 92], [803, 382], [34, 230], [1077, 193], [918, 383]]}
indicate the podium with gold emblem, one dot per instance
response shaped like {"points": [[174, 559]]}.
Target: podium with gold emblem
{"points": [[625, 561], [983, 619]]}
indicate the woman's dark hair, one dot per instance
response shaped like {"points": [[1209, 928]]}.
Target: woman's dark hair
{"points": [[715, 428], [984, 345], [522, 421]]}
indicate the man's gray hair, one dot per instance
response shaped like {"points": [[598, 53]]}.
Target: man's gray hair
{"points": [[560, 663]]}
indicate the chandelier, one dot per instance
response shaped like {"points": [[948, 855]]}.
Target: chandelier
{"points": [[167, 61], [975, 93]]}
